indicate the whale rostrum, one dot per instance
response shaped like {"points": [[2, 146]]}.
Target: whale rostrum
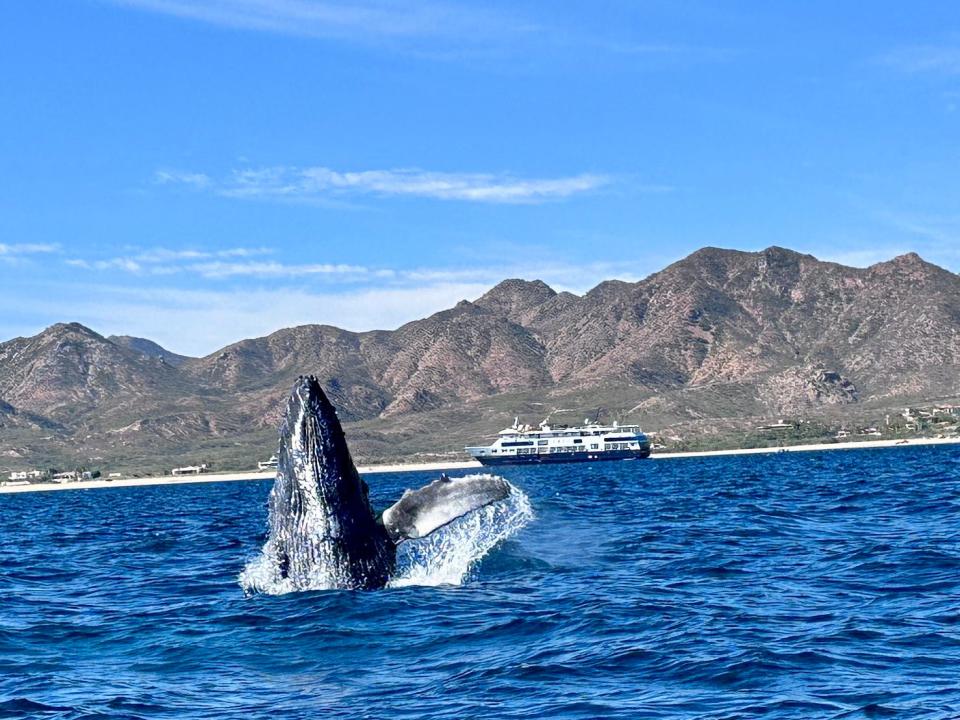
{"points": [[322, 530]]}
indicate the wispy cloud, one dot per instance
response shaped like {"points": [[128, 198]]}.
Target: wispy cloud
{"points": [[197, 322], [341, 19], [112, 264], [16, 253], [940, 59], [942, 230], [439, 30], [165, 261], [935, 236], [27, 249], [279, 270], [242, 263], [308, 184], [161, 292], [172, 177]]}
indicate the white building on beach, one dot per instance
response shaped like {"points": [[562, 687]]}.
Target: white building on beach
{"points": [[27, 475], [190, 470]]}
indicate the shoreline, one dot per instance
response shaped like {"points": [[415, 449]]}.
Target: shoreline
{"points": [[461, 465], [814, 447], [223, 477]]}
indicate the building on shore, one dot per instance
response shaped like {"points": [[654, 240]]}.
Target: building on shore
{"points": [[27, 475], [190, 470], [71, 476]]}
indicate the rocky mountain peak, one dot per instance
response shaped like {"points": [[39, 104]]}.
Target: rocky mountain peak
{"points": [[910, 258], [74, 329], [911, 266], [516, 299]]}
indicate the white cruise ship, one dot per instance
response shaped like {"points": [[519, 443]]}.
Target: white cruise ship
{"points": [[522, 445]]}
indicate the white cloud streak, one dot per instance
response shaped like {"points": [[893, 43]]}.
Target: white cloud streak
{"points": [[20, 253], [172, 177], [166, 261], [195, 322], [277, 269], [309, 184], [937, 59], [16, 249], [340, 19], [242, 263], [113, 264]]}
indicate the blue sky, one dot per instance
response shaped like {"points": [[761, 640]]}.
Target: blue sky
{"points": [[199, 171]]}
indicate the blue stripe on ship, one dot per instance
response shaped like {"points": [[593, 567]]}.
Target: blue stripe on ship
{"points": [[543, 459]]}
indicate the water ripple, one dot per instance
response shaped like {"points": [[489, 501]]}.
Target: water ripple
{"points": [[787, 586]]}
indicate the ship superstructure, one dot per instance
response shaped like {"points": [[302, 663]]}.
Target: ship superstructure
{"points": [[520, 444]]}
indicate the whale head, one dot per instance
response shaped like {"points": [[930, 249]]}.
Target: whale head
{"points": [[322, 530]]}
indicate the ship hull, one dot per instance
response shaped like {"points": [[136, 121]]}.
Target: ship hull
{"points": [[565, 457]]}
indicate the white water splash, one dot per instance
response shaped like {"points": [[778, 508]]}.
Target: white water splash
{"points": [[445, 557], [262, 575]]}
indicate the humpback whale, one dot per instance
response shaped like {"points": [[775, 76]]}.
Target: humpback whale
{"points": [[322, 529]]}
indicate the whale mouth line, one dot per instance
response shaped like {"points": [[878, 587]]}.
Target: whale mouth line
{"points": [[322, 532]]}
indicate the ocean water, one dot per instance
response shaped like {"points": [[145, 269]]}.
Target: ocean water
{"points": [[780, 586]]}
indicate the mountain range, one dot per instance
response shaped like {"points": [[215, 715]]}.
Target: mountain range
{"points": [[721, 337]]}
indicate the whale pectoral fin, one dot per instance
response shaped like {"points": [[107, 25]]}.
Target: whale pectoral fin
{"points": [[420, 512]]}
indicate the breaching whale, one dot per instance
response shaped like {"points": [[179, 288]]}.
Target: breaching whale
{"points": [[322, 530]]}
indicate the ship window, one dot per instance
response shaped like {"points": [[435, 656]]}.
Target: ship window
{"points": [[594, 446], [542, 442], [521, 443], [577, 441]]}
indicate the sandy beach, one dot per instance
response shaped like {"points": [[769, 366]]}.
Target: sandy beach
{"points": [[465, 465], [913, 442], [221, 477]]}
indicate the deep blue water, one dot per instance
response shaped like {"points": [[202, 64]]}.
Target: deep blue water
{"points": [[779, 586]]}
